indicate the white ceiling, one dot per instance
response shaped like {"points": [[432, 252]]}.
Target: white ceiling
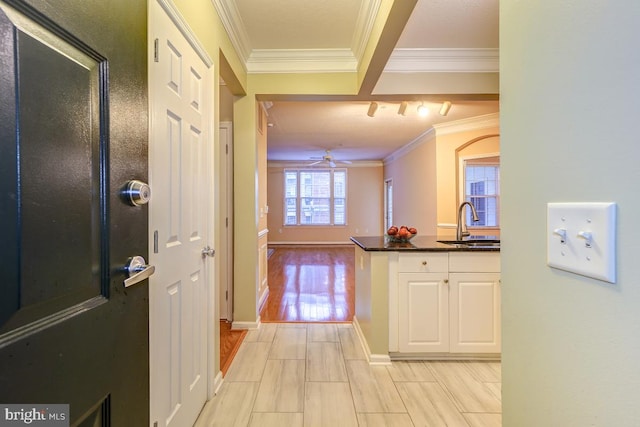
{"points": [[302, 130], [448, 50]]}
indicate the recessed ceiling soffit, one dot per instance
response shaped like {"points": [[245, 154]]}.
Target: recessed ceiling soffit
{"points": [[273, 60], [346, 57]]}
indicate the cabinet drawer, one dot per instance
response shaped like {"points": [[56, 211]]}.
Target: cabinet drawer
{"points": [[423, 262], [482, 262]]}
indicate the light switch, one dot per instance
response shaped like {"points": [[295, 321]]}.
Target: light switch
{"points": [[581, 238]]}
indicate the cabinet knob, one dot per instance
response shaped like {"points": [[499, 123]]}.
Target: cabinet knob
{"points": [[424, 262], [446, 281]]}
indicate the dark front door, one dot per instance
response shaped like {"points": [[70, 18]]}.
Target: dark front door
{"points": [[73, 131]]}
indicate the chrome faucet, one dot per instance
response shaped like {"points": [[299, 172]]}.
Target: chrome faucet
{"points": [[461, 230]]}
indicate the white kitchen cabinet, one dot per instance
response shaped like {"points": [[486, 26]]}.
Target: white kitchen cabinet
{"points": [[423, 313], [448, 303], [423, 298], [474, 304]]}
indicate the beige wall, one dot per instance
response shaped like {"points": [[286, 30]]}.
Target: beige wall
{"points": [[226, 104], [364, 209], [451, 145], [413, 175], [569, 128]]}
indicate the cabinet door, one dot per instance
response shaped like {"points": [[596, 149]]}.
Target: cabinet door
{"points": [[475, 312], [423, 312]]}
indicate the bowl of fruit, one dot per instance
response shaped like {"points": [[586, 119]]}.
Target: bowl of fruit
{"points": [[401, 234]]}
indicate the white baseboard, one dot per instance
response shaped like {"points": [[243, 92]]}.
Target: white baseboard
{"points": [[217, 383], [246, 325], [373, 359]]}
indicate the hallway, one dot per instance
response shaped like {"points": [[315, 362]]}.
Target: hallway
{"points": [[310, 285], [294, 374]]}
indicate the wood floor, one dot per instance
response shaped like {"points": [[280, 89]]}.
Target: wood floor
{"points": [[305, 285], [295, 374], [230, 341], [310, 285]]}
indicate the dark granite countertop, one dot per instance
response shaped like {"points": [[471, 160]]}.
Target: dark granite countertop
{"points": [[426, 244]]}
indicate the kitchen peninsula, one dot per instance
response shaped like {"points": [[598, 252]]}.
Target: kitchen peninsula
{"points": [[425, 299]]}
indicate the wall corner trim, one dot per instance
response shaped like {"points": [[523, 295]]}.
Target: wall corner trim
{"points": [[373, 359]]}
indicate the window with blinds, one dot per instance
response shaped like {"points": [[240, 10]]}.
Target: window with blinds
{"points": [[482, 189], [315, 197]]}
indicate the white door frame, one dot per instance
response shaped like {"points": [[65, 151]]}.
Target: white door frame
{"points": [[226, 214], [214, 375]]}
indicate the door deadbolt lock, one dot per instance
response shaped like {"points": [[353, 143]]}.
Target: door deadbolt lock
{"points": [[137, 193]]}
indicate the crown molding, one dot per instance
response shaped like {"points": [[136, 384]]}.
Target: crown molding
{"points": [[233, 25], [419, 60], [364, 25], [472, 123], [297, 60], [301, 61]]}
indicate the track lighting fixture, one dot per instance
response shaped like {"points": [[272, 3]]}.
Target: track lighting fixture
{"points": [[422, 110], [372, 109], [446, 106], [403, 108]]}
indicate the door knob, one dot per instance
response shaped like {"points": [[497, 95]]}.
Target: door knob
{"points": [[136, 192], [207, 251], [137, 270]]}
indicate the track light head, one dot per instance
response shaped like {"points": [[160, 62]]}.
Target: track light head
{"points": [[372, 109], [423, 111], [446, 106], [403, 108]]}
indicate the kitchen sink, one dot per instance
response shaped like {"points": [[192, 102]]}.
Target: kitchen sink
{"points": [[473, 242]]}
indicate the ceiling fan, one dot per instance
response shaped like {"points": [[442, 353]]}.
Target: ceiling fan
{"points": [[328, 159]]}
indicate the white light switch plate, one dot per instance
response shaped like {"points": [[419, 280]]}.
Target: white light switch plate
{"points": [[581, 238]]}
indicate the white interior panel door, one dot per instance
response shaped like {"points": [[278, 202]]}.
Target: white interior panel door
{"points": [[180, 171]]}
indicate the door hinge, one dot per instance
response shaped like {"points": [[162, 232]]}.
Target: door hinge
{"points": [[226, 295], [156, 53], [226, 222], [155, 242], [226, 149], [155, 424]]}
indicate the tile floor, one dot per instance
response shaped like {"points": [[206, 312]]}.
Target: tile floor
{"points": [[288, 374]]}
